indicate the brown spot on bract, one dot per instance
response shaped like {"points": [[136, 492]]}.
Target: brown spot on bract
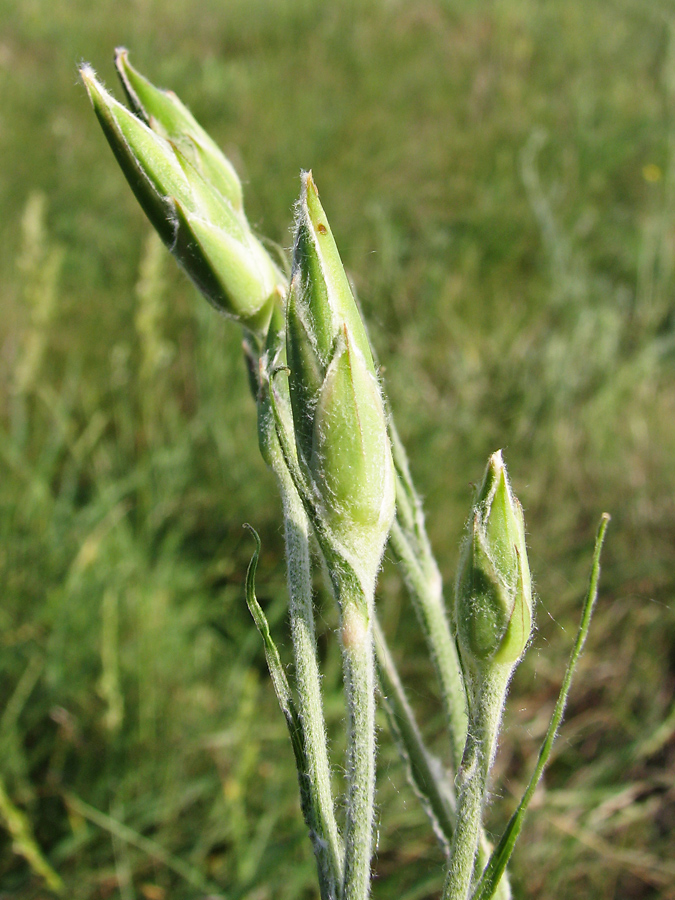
{"points": [[321, 228]]}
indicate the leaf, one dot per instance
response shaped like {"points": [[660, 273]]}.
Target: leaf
{"points": [[280, 682]]}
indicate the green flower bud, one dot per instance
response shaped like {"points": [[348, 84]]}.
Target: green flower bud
{"points": [[493, 596], [338, 413], [209, 238], [169, 118]]}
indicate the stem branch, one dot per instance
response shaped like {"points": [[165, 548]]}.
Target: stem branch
{"points": [[427, 597], [325, 834]]}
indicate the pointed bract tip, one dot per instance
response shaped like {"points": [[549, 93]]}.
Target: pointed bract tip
{"points": [[100, 99], [307, 187], [128, 75], [495, 470], [497, 460], [495, 467], [87, 74], [122, 64]]}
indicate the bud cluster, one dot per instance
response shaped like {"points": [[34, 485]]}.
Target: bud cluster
{"points": [[191, 194], [327, 439], [193, 197]]}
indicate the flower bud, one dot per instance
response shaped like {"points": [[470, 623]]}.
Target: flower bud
{"points": [[338, 413], [209, 238], [493, 596], [164, 113]]}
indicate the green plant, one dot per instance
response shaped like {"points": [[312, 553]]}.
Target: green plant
{"points": [[326, 432]]}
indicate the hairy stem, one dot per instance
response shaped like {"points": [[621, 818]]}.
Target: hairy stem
{"points": [[425, 590], [327, 845], [325, 836], [356, 614], [472, 780], [424, 770], [410, 542], [356, 603]]}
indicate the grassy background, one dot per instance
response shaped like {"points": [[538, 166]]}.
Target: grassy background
{"points": [[501, 181]]}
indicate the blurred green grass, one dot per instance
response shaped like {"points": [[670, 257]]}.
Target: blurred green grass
{"points": [[501, 181]]}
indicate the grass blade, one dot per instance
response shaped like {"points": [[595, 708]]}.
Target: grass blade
{"points": [[154, 850], [23, 841]]}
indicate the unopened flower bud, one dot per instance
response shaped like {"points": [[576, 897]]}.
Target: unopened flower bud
{"points": [[210, 239], [493, 597], [338, 413], [164, 113]]}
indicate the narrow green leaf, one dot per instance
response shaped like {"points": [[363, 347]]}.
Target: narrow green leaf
{"points": [[487, 885], [279, 680], [280, 683], [151, 848], [307, 370], [20, 829]]}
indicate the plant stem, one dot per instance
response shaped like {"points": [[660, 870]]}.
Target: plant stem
{"points": [[327, 845], [325, 836], [472, 779], [356, 613], [356, 603], [425, 588], [424, 770], [410, 542]]}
